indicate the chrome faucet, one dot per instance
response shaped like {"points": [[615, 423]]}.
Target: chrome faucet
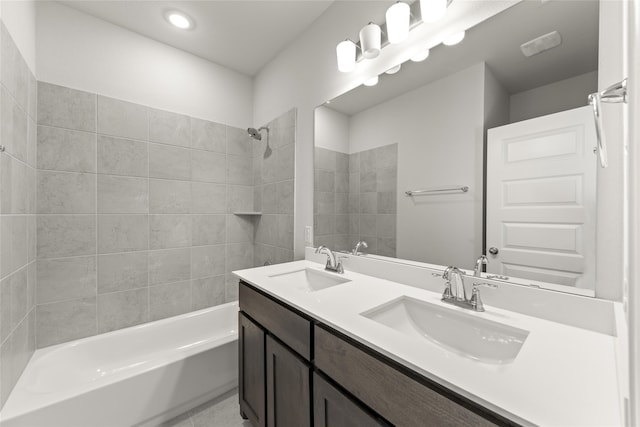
{"points": [[333, 264], [482, 260], [360, 244], [455, 293]]}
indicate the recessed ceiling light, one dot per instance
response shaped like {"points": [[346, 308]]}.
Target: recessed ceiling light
{"points": [[454, 39], [179, 19]]}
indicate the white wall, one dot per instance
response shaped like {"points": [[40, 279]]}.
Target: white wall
{"points": [[439, 133], [20, 19], [304, 75], [555, 97], [77, 50], [331, 130]]}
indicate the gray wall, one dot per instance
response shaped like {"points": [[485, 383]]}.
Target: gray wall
{"points": [[355, 198], [17, 209], [136, 213], [273, 178]]}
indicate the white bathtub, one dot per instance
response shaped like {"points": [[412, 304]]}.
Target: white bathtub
{"points": [[138, 376]]}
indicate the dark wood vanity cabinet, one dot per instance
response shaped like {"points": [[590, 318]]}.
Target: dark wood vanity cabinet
{"points": [[296, 372]]}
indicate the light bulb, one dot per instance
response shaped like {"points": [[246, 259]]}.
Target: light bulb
{"points": [[420, 56], [432, 10], [346, 53], [394, 70], [454, 39], [372, 81], [370, 39], [398, 19]]}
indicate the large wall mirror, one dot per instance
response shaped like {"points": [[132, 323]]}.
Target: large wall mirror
{"points": [[501, 142]]}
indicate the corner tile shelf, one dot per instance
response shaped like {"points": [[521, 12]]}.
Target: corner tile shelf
{"points": [[248, 213]]}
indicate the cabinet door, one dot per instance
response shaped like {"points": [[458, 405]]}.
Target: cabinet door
{"points": [[288, 387], [251, 352], [331, 408]]}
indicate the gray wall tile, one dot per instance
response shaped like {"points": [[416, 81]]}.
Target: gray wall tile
{"points": [[169, 196], [239, 142], [285, 196], [207, 261], [208, 230], [368, 203], [285, 164], [324, 180], [121, 272], [169, 300], [122, 310], [387, 202], [231, 288], [66, 108], [121, 194], [169, 231], [239, 170], [239, 228], [209, 136], [208, 198], [208, 167], [239, 198], [208, 292], [169, 265], [267, 230], [121, 118], [66, 150], [326, 159], [64, 279], [14, 69], [269, 199], [32, 142], [386, 226], [14, 131], [66, 193], [66, 235], [239, 256], [18, 283], [65, 321], [342, 163], [14, 249], [169, 128], [122, 233], [169, 162], [117, 156]]}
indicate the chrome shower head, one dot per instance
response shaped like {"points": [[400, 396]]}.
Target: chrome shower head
{"points": [[255, 133]]}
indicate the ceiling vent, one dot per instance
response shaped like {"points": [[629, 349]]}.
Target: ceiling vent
{"points": [[540, 44]]}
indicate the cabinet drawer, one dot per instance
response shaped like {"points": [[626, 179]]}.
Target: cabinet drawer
{"points": [[397, 397], [291, 328]]}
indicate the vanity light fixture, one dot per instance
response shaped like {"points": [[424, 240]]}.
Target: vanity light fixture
{"points": [[394, 70], [179, 19], [370, 40], [433, 10], [398, 19], [346, 53], [420, 56], [372, 81], [453, 39]]}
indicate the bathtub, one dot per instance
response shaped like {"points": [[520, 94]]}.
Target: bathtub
{"points": [[138, 376]]}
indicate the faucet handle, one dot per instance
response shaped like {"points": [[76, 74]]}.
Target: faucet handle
{"points": [[447, 295], [476, 301]]}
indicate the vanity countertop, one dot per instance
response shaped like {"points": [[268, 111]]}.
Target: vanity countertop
{"points": [[562, 376]]}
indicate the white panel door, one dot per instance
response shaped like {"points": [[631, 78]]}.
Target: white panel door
{"points": [[541, 199]]}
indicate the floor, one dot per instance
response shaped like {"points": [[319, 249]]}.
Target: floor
{"points": [[220, 412]]}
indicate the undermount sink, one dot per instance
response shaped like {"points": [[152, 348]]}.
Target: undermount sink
{"points": [[309, 280], [465, 334]]}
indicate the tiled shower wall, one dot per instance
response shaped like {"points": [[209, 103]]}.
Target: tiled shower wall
{"points": [[17, 213], [135, 213], [273, 177], [331, 197], [355, 198]]}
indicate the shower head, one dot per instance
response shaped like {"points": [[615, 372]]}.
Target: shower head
{"points": [[255, 134]]}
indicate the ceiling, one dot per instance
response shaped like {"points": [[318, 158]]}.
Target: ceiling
{"points": [[242, 35], [497, 42]]}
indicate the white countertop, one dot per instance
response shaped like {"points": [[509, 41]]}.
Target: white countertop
{"points": [[562, 376]]}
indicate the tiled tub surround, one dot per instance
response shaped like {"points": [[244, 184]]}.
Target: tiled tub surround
{"points": [[17, 213], [135, 213], [273, 179], [355, 198]]}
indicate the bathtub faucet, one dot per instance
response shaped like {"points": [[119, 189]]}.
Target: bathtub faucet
{"points": [[333, 264]]}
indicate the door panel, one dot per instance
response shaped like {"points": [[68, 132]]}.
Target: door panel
{"points": [[288, 387], [251, 341], [541, 199]]}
